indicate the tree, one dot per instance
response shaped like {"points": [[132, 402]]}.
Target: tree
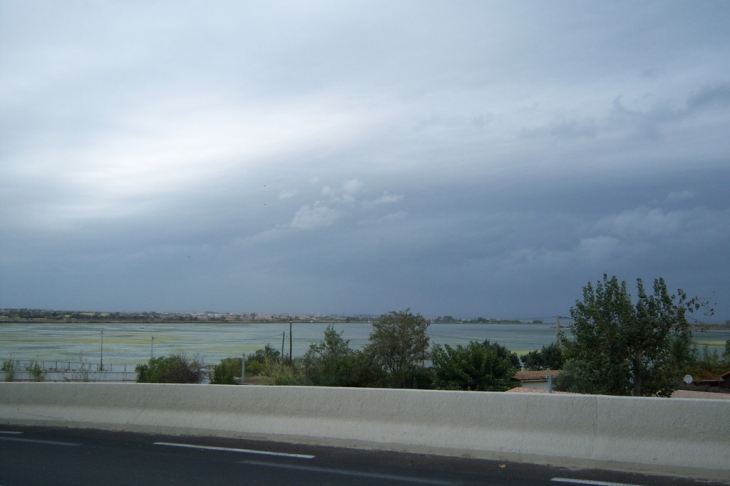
{"points": [[398, 342], [622, 348], [330, 362], [478, 366], [550, 357]]}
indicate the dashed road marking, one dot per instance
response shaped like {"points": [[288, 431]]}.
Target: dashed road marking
{"points": [[589, 482], [346, 472], [9, 432], [37, 441], [231, 449]]}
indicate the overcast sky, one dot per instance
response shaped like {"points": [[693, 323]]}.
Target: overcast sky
{"points": [[466, 159]]}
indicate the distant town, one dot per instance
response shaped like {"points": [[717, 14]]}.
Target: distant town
{"points": [[40, 315]]}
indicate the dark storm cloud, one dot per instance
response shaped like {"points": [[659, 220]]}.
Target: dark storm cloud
{"points": [[477, 159]]}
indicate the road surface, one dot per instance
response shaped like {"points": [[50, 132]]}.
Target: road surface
{"points": [[65, 456]]}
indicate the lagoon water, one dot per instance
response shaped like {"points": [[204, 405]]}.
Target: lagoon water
{"points": [[130, 343]]}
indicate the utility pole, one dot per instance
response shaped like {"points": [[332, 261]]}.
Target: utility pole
{"points": [[557, 331], [291, 361], [101, 358], [283, 334], [152, 348]]}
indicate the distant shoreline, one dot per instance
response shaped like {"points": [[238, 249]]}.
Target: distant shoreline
{"points": [[693, 327]]}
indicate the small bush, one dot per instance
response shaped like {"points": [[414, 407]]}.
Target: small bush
{"points": [[37, 372], [283, 374], [226, 370], [9, 369], [173, 369]]}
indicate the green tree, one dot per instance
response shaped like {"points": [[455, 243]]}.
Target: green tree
{"points": [[478, 366], [398, 342], [622, 348], [330, 362], [225, 371], [550, 357], [333, 363], [171, 369]]}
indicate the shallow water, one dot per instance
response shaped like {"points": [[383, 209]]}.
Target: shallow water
{"points": [[131, 342]]}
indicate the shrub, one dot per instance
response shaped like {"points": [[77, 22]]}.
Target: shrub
{"points": [[37, 372], [9, 369], [478, 366], [226, 370], [173, 369], [283, 374]]}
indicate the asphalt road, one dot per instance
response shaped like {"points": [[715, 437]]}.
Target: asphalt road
{"points": [[63, 456]]}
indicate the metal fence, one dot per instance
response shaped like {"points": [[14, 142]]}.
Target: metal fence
{"points": [[32, 370]]}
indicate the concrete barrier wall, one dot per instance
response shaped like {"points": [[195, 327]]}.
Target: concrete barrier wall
{"points": [[690, 437]]}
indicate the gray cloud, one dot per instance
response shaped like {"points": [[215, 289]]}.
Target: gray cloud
{"points": [[479, 159]]}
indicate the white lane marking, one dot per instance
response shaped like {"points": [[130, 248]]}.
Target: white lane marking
{"points": [[231, 449], [9, 432], [36, 441], [589, 482], [352, 473]]}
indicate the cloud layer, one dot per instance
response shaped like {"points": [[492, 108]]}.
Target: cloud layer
{"points": [[472, 159]]}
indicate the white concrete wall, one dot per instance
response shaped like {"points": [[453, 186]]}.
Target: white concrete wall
{"points": [[646, 434]]}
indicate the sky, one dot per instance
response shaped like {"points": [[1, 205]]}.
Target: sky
{"points": [[455, 158]]}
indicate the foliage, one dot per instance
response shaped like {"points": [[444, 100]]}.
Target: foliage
{"points": [[577, 377], [225, 371], [283, 374], [619, 348], [9, 369], [709, 365], [172, 369], [256, 362], [333, 363], [268, 353], [330, 362], [550, 357], [37, 372], [478, 366], [398, 342]]}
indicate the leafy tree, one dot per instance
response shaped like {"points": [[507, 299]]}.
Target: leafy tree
{"points": [[329, 363], [226, 370], [478, 366], [171, 369], [333, 363], [578, 377], [622, 348], [398, 342], [550, 357]]}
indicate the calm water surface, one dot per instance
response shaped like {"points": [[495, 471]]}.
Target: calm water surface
{"points": [[131, 343]]}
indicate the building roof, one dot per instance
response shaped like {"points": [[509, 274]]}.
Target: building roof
{"points": [[541, 375]]}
